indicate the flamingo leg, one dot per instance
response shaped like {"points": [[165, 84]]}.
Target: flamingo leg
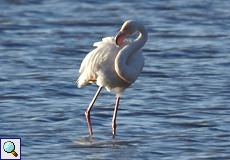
{"points": [[87, 112], [114, 125]]}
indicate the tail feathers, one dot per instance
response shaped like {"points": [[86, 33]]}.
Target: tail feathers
{"points": [[81, 82]]}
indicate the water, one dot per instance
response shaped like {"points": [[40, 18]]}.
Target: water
{"points": [[177, 109]]}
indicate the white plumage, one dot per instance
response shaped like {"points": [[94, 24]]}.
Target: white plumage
{"points": [[99, 66], [114, 64]]}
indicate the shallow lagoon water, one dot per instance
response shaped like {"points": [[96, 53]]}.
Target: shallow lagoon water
{"points": [[177, 109]]}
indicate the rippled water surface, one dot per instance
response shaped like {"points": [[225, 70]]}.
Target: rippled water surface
{"points": [[179, 108]]}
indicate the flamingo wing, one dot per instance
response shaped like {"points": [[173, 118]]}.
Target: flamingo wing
{"points": [[97, 61]]}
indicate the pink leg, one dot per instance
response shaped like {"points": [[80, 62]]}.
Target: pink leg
{"points": [[114, 126], [87, 112]]}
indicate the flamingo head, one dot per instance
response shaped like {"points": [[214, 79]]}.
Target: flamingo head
{"points": [[127, 29]]}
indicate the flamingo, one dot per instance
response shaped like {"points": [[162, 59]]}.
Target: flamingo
{"points": [[115, 64]]}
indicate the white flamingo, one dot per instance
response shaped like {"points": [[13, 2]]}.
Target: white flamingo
{"points": [[114, 64]]}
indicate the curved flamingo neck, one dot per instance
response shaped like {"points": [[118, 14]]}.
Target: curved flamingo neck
{"points": [[122, 67], [141, 39]]}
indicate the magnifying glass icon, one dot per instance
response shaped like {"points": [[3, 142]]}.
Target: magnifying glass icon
{"points": [[9, 147]]}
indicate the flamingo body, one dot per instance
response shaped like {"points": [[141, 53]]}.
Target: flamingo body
{"points": [[99, 66]]}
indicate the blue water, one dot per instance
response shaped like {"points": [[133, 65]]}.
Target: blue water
{"points": [[179, 108]]}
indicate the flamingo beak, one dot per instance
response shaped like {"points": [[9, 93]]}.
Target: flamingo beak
{"points": [[120, 37]]}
